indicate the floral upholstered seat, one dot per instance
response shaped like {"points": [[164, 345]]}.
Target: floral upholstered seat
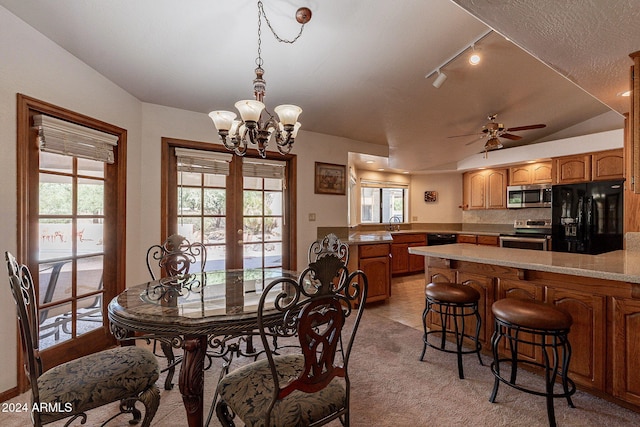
{"points": [[81, 382], [248, 391]]}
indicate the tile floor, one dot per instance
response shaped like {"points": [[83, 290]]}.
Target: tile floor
{"points": [[406, 302]]}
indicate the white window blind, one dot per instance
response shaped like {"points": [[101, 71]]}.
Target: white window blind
{"points": [[382, 184], [261, 168], [203, 161], [70, 139]]}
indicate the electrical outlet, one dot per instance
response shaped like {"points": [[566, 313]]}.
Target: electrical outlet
{"points": [[312, 217], [414, 218]]}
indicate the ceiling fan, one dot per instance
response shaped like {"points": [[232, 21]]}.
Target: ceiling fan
{"points": [[495, 130]]}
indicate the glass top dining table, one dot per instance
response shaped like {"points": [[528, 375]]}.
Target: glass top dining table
{"points": [[188, 311]]}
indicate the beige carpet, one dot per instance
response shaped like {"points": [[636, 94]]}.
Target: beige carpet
{"points": [[392, 388]]}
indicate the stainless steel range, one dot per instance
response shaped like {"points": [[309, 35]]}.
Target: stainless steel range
{"points": [[528, 234]]}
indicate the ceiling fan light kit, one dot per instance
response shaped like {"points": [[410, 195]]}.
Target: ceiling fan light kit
{"points": [[495, 131], [253, 128]]}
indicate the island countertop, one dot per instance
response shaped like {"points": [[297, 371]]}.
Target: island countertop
{"points": [[618, 265]]}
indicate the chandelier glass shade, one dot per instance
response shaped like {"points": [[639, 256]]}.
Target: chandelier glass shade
{"points": [[256, 125]]}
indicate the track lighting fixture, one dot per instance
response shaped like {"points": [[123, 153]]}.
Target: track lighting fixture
{"points": [[438, 70]]}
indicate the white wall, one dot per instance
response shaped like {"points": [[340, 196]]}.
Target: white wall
{"points": [[446, 208]]}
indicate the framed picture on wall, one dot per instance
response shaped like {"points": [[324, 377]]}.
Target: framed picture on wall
{"points": [[330, 179], [430, 196]]}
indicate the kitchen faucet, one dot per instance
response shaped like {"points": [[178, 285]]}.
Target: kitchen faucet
{"points": [[392, 226]]}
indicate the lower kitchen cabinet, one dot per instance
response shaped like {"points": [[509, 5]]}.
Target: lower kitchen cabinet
{"points": [[626, 348], [374, 261], [508, 288], [402, 262], [484, 285], [587, 336]]}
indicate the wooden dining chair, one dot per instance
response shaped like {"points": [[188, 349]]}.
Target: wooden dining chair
{"points": [[175, 256], [308, 385], [125, 374]]}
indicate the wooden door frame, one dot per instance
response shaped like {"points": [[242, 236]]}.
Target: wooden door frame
{"points": [[234, 187], [114, 239]]}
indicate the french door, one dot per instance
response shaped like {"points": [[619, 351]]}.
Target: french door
{"points": [[241, 208], [71, 224]]}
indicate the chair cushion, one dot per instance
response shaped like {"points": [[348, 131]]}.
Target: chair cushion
{"points": [[452, 293], [248, 391], [531, 314], [95, 380]]}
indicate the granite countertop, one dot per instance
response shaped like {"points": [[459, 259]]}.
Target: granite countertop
{"points": [[618, 265], [387, 236]]}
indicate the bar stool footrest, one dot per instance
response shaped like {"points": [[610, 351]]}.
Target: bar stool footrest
{"points": [[570, 383], [478, 345]]}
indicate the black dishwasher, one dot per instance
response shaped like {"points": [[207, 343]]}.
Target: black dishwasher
{"points": [[434, 239]]}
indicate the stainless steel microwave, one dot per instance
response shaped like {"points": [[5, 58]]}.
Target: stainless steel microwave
{"points": [[529, 196]]}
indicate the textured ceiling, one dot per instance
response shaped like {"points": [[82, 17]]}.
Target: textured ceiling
{"points": [[586, 41], [358, 71]]}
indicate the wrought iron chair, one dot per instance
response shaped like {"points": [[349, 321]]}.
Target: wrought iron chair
{"points": [[125, 374], [309, 386], [175, 256]]}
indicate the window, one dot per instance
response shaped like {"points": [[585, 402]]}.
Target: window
{"points": [[383, 204], [240, 208]]}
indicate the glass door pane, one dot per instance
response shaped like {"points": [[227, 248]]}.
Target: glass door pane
{"points": [[70, 249], [202, 200], [262, 222]]}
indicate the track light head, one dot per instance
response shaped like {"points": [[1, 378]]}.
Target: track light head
{"points": [[439, 80]]}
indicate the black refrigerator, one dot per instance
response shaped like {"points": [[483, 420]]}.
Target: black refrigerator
{"points": [[587, 218]]}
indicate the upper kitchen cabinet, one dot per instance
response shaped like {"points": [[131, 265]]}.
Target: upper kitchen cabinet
{"points": [[572, 169], [606, 165], [533, 173], [485, 189], [599, 166]]}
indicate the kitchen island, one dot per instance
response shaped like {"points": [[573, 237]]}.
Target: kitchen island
{"points": [[602, 293]]}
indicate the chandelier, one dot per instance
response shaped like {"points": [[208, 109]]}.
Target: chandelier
{"points": [[255, 127]]}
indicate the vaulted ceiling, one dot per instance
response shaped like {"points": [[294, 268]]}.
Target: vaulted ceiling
{"points": [[358, 70]]}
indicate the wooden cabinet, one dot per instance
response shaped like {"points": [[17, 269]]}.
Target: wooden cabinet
{"points": [[479, 239], [532, 173], [572, 169], [587, 336], [485, 286], [607, 165], [626, 348], [485, 189], [375, 262], [508, 288], [598, 166], [488, 240], [402, 261], [467, 238]]}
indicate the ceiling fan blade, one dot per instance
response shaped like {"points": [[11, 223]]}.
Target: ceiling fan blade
{"points": [[475, 140], [515, 129], [509, 136], [468, 134]]}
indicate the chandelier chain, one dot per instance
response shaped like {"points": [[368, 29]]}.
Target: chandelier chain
{"points": [[280, 39]]}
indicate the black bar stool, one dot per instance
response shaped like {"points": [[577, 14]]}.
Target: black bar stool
{"points": [[547, 327], [454, 303]]}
